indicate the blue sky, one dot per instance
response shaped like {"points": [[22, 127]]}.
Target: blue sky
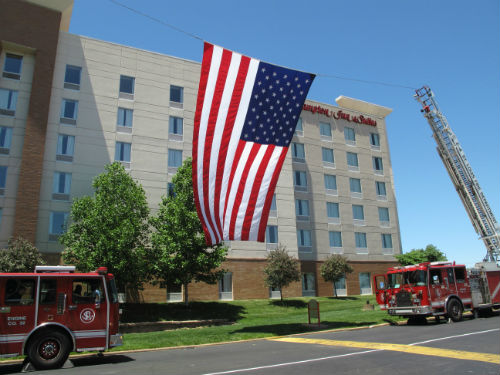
{"points": [[452, 46]]}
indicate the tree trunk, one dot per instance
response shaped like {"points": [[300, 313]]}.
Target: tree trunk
{"points": [[281, 294], [334, 290], [186, 295]]}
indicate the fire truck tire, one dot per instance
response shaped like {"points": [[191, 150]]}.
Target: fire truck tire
{"points": [[454, 310], [49, 349]]}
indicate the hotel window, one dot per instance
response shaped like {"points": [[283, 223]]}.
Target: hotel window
{"points": [[350, 136], [65, 147], [360, 240], [355, 187], [365, 283], [122, 153], [176, 96], [340, 287], [375, 140], [358, 212], [335, 239], [72, 77], [272, 234], [380, 189], [304, 239], [325, 131], [174, 158], [352, 161], [298, 153], [170, 190], [383, 216], [302, 209], [61, 186], [8, 101], [378, 166], [332, 212], [175, 128], [125, 117], [57, 224], [386, 241], [273, 210], [174, 293], [300, 180], [127, 87], [12, 66], [69, 111], [226, 287], [327, 157], [3, 179], [308, 285], [5, 139], [299, 130], [330, 184]]}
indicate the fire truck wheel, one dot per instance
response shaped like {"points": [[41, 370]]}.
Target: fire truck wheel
{"points": [[454, 310], [49, 349]]}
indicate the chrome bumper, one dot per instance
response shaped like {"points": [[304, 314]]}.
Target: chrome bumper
{"points": [[410, 310]]}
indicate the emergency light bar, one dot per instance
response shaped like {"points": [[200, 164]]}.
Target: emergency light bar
{"points": [[44, 269]]}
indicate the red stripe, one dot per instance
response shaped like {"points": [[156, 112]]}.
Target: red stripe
{"points": [[247, 223], [205, 70], [212, 119], [226, 135], [269, 198], [236, 160], [241, 186]]}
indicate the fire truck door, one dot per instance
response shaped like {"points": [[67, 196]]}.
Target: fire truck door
{"points": [[436, 288], [17, 312], [53, 300], [380, 282], [449, 280], [88, 312]]}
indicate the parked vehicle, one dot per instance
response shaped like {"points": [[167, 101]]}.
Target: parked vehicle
{"points": [[53, 311], [439, 289]]}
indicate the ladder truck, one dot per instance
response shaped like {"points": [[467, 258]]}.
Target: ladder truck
{"points": [[461, 175]]}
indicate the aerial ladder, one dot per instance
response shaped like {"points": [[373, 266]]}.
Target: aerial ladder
{"points": [[461, 174]]}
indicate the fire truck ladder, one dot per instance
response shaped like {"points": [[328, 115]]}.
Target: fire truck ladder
{"points": [[461, 174]]}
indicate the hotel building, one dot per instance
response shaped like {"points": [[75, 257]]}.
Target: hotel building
{"points": [[69, 105]]}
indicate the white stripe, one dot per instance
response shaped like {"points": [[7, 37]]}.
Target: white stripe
{"points": [[240, 218], [205, 113], [235, 137], [219, 129], [495, 292], [234, 187], [88, 334], [16, 338], [261, 199], [434, 304], [455, 336]]}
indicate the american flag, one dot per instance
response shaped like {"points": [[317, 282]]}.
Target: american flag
{"points": [[246, 114]]}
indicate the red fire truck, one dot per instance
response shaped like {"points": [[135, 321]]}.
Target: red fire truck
{"points": [[53, 311], [439, 289]]}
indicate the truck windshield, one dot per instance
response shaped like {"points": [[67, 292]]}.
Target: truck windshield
{"points": [[113, 293], [395, 280], [415, 278]]}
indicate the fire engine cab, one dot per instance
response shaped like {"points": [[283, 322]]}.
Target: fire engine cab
{"points": [[438, 289], [53, 311]]}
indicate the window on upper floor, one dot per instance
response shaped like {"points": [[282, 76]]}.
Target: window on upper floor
{"points": [[127, 87], [57, 225], [304, 239], [69, 111], [12, 66], [360, 240], [386, 241], [302, 208], [380, 189], [335, 238], [352, 161], [3, 179], [65, 147], [349, 136], [123, 151], [330, 184], [378, 166], [272, 234], [374, 140], [299, 130], [298, 153], [125, 117], [355, 187], [8, 102], [358, 212], [174, 158], [383, 216], [176, 96], [327, 156], [175, 126], [325, 131], [5, 139], [300, 180], [61, 186], [332, 210], [72, 77]]}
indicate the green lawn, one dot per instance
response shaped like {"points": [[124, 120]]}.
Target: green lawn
{"points": [[250, 319]]}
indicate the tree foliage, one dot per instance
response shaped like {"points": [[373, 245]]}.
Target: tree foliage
{"points": [[20, 256], [281, 269], [430, 254], [110, 229], [181, 254], [334, 268]]}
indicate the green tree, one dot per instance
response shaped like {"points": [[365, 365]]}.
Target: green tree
{"points": [[281, 269], [110, 229], [181, 254], [430, 254], [20, 256], [334, 268]]}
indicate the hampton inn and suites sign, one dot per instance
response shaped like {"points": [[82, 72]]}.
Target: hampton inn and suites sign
{"points": [[339, 115]]}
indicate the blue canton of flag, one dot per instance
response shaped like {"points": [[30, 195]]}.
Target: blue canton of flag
{"points": [[275, 105]]}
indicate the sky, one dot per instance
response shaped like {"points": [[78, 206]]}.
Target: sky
{"points": [[453, 46]]}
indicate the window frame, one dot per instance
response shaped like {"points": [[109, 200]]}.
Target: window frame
{"points": [[68, 84], [12, 74]]}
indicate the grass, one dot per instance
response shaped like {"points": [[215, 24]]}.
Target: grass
{"points": [[250, 319]]}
